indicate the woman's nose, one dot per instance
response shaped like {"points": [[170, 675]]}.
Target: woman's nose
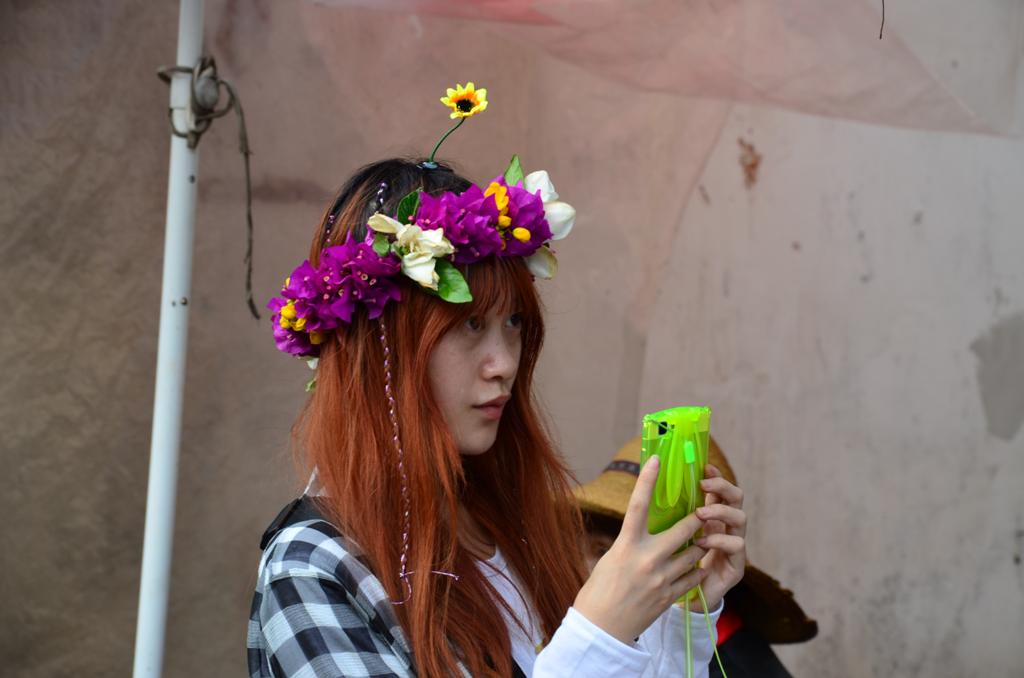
{"points": [[502, 357]]}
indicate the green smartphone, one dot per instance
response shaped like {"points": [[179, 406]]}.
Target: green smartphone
{"points": [[679, 436]]}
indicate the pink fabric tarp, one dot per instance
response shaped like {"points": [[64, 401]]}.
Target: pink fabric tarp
{"points": [[816, 56]]}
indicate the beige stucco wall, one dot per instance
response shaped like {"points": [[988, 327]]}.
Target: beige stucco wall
{"points": [[854, 319]]}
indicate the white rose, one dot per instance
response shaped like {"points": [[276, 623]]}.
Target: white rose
{"points": [[560, 215], [421, 248]]}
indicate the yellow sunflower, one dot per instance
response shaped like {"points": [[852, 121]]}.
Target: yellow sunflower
{"points": [[465, 101]]}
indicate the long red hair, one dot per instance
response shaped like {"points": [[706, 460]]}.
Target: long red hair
{"points": [[518, 491]]}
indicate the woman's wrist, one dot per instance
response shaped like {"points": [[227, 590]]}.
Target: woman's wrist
{"points": [[602, 621], [696, 605]]}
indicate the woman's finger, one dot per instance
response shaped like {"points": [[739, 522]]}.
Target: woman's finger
{"points": [[683, 531], [713, 527], [734, 518], [730, 544], [688, 581], [634, 523], [684, 562], [712, 498], [724, 489]]}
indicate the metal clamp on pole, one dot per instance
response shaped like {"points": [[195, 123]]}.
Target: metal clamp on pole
{"points": [[204, 94], [190, 119]]}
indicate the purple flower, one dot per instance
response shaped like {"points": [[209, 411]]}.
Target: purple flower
{"points": [[315, 301], [294, 343], [468, 220], [286, 336], [436, 211], [354, 272], [297, 318], [302, 283], [529, 228]]}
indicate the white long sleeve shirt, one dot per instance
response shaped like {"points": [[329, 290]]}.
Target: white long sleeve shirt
{"points": [[581, 649]]}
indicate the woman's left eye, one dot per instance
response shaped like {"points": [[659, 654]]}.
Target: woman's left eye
{"points": [[515, 320]]}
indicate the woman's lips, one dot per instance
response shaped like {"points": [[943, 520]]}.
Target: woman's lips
{"points": [[492, 412]]}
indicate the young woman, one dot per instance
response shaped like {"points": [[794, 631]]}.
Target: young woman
{"points": [[439, 536]]}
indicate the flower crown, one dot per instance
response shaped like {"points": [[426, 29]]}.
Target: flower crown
{"points": [[516, 215]]}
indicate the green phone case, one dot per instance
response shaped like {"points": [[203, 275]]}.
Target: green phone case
{"points": [[679, 436]]}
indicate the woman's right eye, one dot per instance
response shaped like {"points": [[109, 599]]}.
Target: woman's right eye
{"points": [[474, 323]]}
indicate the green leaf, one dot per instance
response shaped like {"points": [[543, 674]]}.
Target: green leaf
{"points": [[408, 206], [310, 385], [451, 285], [381, 244], [514, 173]]}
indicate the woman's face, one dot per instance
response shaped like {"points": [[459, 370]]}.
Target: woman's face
{"points": [[471, 371]]}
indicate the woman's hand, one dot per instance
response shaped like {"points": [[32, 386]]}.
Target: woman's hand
{"points": [[641, 575], [725, 530]]}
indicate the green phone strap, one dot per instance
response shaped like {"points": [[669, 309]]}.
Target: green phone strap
{"points": [[700, 591]]}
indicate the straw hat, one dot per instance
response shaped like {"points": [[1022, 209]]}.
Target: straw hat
{"points": [[763, 604]]}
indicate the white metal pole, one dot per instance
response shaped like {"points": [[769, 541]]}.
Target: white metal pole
{"points": [[170, 362]]}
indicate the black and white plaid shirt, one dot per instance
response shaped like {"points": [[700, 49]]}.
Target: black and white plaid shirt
{"points": [[319, 611]]}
